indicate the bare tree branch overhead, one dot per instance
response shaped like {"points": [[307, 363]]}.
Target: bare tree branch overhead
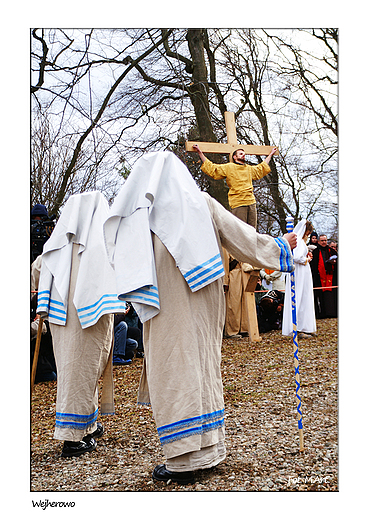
{"points": [[103, 97]]}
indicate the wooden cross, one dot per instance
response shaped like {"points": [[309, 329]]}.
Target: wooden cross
{"points": [[229, 147]]}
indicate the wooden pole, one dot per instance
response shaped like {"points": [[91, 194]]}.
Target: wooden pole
{"points": [[36, 353], [289, 226], [231, 130], [252, 319]]}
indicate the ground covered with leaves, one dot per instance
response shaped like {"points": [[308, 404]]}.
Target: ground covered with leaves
{"points": [[261, 426]]}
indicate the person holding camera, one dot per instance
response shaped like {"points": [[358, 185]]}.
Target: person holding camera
{"points": [[41, 228]]}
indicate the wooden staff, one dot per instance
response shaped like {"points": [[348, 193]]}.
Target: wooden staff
{"points": [[37, 350], [289, 226]]}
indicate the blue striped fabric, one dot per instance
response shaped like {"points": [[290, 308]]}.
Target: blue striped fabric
{"points": [[53, 308], [193, 426], [285, 258], [205, 273], [75, 421], [148, 295], [108, 303]]}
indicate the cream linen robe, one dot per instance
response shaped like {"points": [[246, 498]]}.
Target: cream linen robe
{"points": [[181, 376], [81, 356], [236, 311]]}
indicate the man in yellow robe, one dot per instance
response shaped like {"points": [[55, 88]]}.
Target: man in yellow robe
{"points": [[239, 177]]}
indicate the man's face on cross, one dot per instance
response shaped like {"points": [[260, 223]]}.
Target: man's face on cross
{"points": [[239, 156]]}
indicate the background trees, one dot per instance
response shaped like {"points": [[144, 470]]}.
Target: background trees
{"points": [[101, 98]]}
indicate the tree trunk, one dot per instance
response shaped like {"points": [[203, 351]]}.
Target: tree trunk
{"points": [[199, 95], [199, 89]]}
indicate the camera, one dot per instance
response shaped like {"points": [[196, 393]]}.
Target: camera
{"points": [[40, 233]]}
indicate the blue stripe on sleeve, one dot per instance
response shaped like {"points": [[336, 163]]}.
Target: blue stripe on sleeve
{"points": [[285, 257]]}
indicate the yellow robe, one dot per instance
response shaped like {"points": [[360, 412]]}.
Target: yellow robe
{"points": [[239, 178]]}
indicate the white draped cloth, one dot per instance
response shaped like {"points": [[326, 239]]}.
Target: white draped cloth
{"points": [[81, 222], [304, 295], [160, 196]]}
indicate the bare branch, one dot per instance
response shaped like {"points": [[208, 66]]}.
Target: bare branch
{"points": [[45, 50], [68, 172]]}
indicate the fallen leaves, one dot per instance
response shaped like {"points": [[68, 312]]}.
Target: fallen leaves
{"points": [[261, 426]]}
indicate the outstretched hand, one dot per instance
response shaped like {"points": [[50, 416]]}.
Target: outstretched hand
{"points": [[274, 150], [291, 239], [197, 149]]}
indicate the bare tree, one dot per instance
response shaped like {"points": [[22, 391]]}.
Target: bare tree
{"points": [[115, 94], [270, 111], [84, 64]]}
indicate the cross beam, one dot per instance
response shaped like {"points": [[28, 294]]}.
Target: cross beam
{"points": [[231, 145]]}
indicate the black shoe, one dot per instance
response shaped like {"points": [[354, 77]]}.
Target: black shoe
{"points": [[139, 354], [163, 474], [75, 449], [120, 361], [96, 434]]}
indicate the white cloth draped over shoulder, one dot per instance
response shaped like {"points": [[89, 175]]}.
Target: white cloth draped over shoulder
{"points": [[160, 196], [304, 295], [81, 222]]}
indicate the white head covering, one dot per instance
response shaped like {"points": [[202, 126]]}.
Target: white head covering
{"points": [[301, 248], [160, 196], [81, 222]]}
